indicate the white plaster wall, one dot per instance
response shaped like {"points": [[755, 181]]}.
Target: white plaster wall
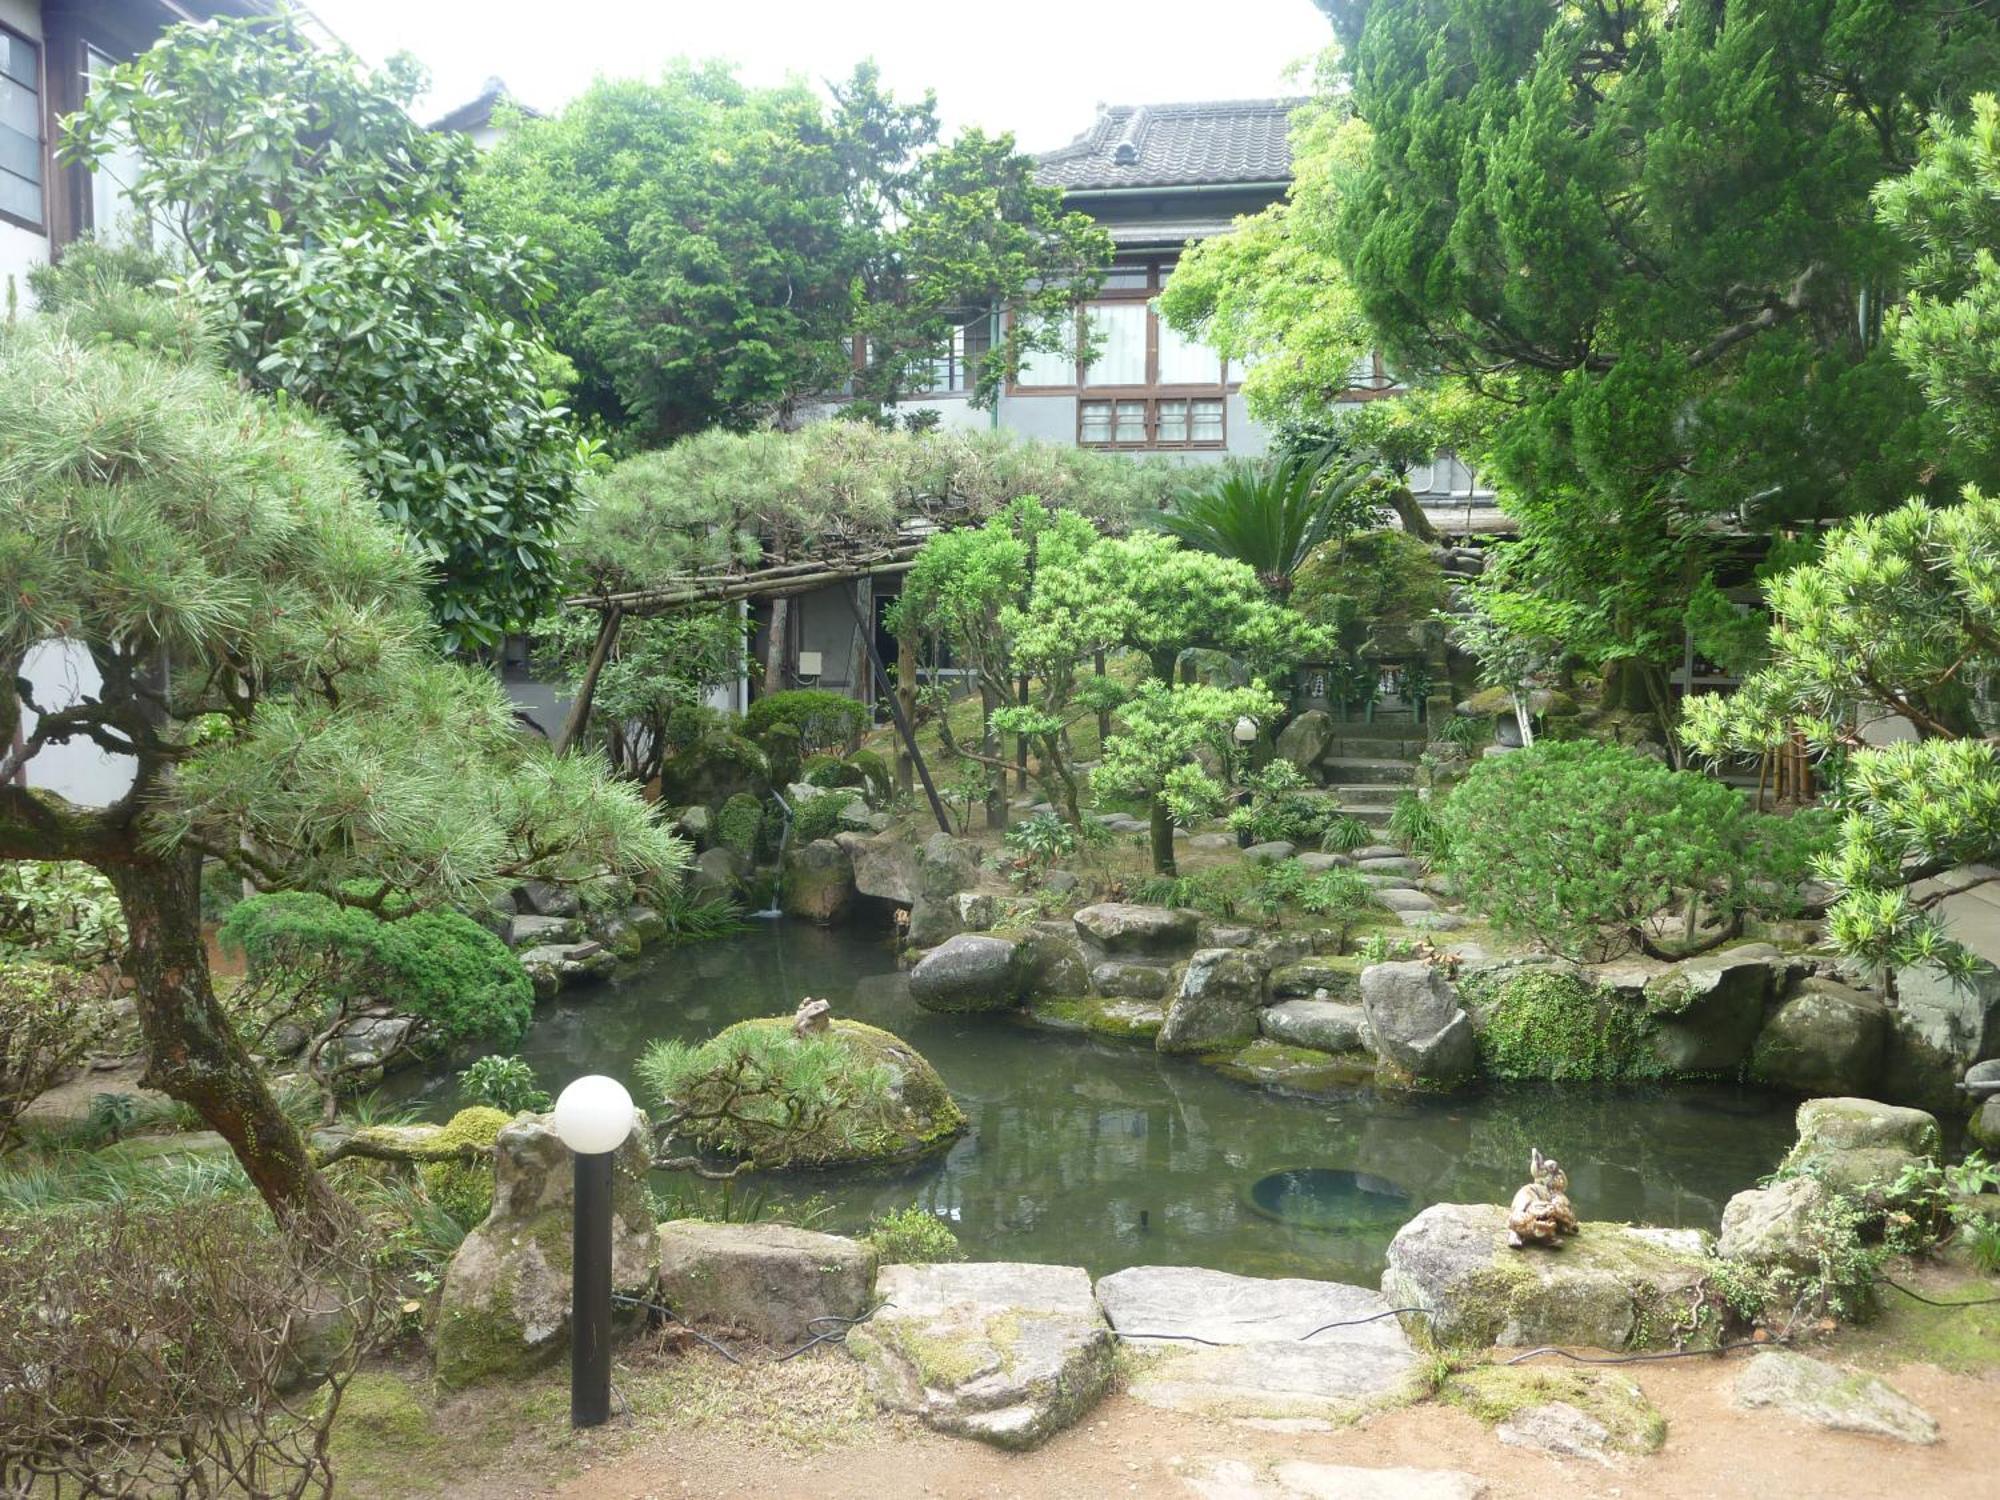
{"points": [[62, 673]]}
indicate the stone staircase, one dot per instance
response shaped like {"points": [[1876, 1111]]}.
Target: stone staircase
{"points": [[1368, 766]]}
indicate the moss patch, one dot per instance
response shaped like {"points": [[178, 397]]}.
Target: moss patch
{"points": [[1493, 1393], [1278, 1065], [1544, 1023], [1124, 1020]]}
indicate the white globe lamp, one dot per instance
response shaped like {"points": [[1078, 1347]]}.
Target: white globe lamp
{"points": [[593, 1115]]}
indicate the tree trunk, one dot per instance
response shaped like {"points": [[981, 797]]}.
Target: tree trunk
{"points": [[1021, 740], [859, 681], [775, 654], [1411, 514], [193, 1052], [906, 698], [1163, 840], [578, 719], [1103, 714], [989, 746]]}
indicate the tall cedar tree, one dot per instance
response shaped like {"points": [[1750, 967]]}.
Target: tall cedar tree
{"points": [[1652, 223]]}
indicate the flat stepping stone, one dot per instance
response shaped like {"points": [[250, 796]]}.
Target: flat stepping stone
{"points": [[1431, 921], [1324, 1025], [1296, 1479], [1276, 851], [1319, 863], [1003, 1351], [1824, 1395], [1376, 851], [1212, 841], [1388, 864], [1402, 900], [1248, 1351]]}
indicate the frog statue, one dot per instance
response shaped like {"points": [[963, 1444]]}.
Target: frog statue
{"points": [[814, 1016], [1541, 1211]]}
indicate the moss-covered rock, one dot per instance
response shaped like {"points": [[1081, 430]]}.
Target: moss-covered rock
{"points": [[1860, 1146], [1519, 1400], [504, 1311], [714, 768], [1611, 1286], [1273, 1064], [1126, 1020], [911, 1117]]}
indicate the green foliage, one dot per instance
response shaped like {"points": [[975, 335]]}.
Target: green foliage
{"points": [[462, 1191], [1415, 824], [827, 722], [50, 1016], [1042, 840], [1271, 514], [1578, 846], [818, 817], [346, 280], [831, 772], [1152, 754], [1343, 832], [503, 1083], [1463, 732], [1948, 330], [1685, 334], [1281, 806], [760, 1094], [1895, 617], [912, 1236], [1540, 1023], [1838, 1280], [716, 243], [739, 825], [455, 977], [1375, 577], [1214, 892], [1340, 898], [60, 912]]}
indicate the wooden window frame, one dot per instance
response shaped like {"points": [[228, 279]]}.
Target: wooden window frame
{"points": [[1158, 269], [1153, 399], [44, 226]]}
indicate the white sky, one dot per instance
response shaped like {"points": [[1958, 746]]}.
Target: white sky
{"points": [[1036, 67]]}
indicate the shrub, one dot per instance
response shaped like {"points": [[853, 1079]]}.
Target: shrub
{"points": [[1343, 832], [874, 773], [312, 960], [818, 817], [503, 1083], [739, 825], [827, 722], [765, 1096], [1281, 807], [1541, 1023], [50, 1016], [1579, 846], [173, 1350], [462, 1190], [60, 911], [1414, 823], [828, 771], [1385, 576], [1042, 839], [912, 1236]]}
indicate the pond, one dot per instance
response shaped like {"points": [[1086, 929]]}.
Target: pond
{"points": [[1105, 1154]]}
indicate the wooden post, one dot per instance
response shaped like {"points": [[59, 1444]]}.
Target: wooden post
{"points": [[775, 652], [905, 702], [859, 682], [578, 718]]}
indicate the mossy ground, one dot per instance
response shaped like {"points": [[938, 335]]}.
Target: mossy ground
{"points": [[1963, 1338], [1493, 1393]]}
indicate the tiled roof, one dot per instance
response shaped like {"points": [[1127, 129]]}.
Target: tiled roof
{"points": [[1176, 145]]}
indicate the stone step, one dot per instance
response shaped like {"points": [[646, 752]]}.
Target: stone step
{"points": [[1373, 794], [1374, 817], [1393, 747], [1347, 770]]}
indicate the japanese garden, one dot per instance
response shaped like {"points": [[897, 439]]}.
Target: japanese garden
{"points": [[735, 789]]}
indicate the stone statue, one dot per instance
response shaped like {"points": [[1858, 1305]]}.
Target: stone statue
{"points": [[814, 1016], [1541, 1211]]}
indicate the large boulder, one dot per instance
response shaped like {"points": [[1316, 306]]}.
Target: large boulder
{"points": [[885, 868], [555, 967], [1611, 1286], [1708, 1010], [1984, 1127], [713, 769], [973, 971], [1305, 741], [370, 1042], [1860, 1146], [1052, 960], [946, 867], [1339, 978], [527, 930], [1119, 929], [1247, 1346], [1323, 1025], [1940, 1025], [1827, 1039], [1823, 1395], [504, 1310], [1130, 981], [1216, 1006], [717, 871], [771, 1281], [912, 1117], [1423, 1038], [1772, 1226], [1000, 1351], [818, 882]]}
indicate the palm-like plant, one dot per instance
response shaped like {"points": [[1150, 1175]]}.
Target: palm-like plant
{"points": [[1270, 515]]}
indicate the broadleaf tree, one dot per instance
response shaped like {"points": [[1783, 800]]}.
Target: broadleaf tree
{"points": [[721, 248], [311, 215], [270, 673]]}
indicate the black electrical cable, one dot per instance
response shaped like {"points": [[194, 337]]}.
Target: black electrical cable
{"points": [[1190, 1338], [832, 1335], [668, 1312], [1933, 1302], [1642, 1359]]}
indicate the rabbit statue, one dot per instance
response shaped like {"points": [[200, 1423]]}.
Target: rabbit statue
{"points": [[1541, 1211]]}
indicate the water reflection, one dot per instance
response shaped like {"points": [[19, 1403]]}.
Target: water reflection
{"points": [[1106, 1154]]}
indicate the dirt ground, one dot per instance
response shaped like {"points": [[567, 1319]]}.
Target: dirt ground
{"points": [[1126, 1448]]}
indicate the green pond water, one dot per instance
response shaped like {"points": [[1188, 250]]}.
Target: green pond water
{"points": [[1105, 1154]]}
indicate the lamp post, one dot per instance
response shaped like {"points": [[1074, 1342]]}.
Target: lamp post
{"points": [[592, 1117]]}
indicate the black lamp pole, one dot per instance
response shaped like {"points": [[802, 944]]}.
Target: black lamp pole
{"points": [[590, 1292]]}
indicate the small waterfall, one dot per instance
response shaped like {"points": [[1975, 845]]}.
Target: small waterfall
{"points": [[775, 910]]}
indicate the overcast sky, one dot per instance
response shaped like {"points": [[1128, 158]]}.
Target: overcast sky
{"points": [[1036, 67]]}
